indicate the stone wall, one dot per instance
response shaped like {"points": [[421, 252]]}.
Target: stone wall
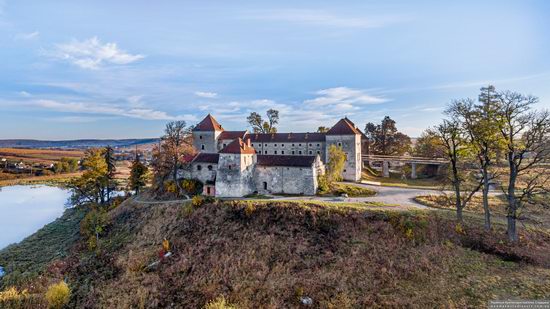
{"points": [[351, 145], [288, 180], [235, 176], [297, 148], [205, 172], [206, 141]]}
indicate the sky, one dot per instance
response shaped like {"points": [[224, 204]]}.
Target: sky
{"points": [[74, 69]]}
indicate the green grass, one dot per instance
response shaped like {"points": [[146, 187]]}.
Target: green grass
{"points": [[28, 258], [351, 190]]}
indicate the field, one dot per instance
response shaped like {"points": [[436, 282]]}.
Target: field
{"points": [[44, 156], [537, 214]]}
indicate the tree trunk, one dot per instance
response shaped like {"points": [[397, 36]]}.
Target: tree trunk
{"points": [[512, 201], [456, 184], [512, 230], [486, 209], [459, 214]]}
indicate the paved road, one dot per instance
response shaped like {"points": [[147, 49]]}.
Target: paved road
{"points": [[388, 195]]}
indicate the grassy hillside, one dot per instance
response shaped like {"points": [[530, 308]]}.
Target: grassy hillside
{"points": [[29, 258], [269, 254]]}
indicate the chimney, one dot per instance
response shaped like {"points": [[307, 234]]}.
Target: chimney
{"points": [[248, 142]]}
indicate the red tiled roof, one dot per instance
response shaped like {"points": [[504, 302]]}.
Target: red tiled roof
{"points": [[290, 161], [208, 124], [207, 158], [238, 146], [232, 134], [285, 137], [344, 127]]}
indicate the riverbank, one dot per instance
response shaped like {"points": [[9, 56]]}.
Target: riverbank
{"points": [[26, 259]]}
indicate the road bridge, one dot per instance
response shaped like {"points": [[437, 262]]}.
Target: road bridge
{"points": [[413, 161]]}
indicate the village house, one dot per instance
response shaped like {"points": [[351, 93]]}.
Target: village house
{"points": [[238, 163]]}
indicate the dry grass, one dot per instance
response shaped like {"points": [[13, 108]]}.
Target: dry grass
{"points": [[38, 155], [267, 254], [537, 215], [58, 179]]}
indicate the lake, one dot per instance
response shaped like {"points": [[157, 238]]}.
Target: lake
{"points": [[25, 209]]}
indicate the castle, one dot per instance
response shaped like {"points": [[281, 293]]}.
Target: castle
{"points": [[238, 163]]}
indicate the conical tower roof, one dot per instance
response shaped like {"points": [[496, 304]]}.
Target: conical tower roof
{"points": [[209, 123]]}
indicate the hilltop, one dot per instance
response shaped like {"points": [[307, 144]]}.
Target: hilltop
{"points": [[269, 254]]}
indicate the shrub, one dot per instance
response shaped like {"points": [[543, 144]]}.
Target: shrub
{"points": [[192, 186], [219, 303], [12, 298], [93, 225], [323, 184], [187, 209], [170, 187], [58, 295], [199, 200], [340, 301]]}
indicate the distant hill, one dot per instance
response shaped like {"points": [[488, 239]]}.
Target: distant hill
{"points": [[74, 144]]}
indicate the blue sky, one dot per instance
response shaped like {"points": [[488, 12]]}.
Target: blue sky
{"points": [[122, 69]]}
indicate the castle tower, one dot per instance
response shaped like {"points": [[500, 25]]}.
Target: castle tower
{"points": [[346, 135], [235, 175], [205, 135]]}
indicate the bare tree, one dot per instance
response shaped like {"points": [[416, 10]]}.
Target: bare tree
{"points": [[452, 135], [526, 139], [260, 126], [176, 143], [483, 136]]}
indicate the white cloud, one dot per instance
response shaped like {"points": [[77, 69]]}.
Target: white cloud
{"points": [[27, 36], [322, 18], [344, 97], [24, 94], [209, 95], [93, 54], [104, 109]]}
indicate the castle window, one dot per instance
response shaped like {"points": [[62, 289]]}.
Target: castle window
{"points": [[210, 167], [318, 145], [310, 145], [292, 145], [266, 152], [229, 167], [265, 185], [299, 144], [265, 145], [282, 145], [310, 152], [275, 152], [339, 144], [202, 147], [224, 145], [200, 136], [318, 152], [300, 152], [283, 152], [199, 167], [275, 145], [293, 151]]}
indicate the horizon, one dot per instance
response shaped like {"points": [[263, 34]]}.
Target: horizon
{"points": [[103, 70]]}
